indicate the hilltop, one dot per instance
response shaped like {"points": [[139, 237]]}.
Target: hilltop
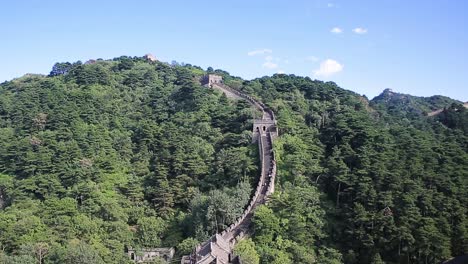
{"points": [[398, 103]]}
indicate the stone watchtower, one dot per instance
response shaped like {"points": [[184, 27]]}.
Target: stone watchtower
{"points": [[150, 57], [211, 79], [263, 126]]}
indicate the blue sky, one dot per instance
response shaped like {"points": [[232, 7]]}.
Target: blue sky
{"points": [[415, 47]]}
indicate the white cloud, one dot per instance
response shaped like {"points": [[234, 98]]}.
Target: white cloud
{"points": [[259, 52], [333, 5], [269, 58], [269, 65], [311, 58], [360, 30], [336, 30], [280, 72], [328, 67]]}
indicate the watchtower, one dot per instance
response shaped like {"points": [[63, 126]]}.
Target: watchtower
{"points": [[211, 79], [150, 57], [263, 126]]}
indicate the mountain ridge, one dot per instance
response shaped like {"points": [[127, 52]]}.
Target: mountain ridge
{"points": [[413, 104]]}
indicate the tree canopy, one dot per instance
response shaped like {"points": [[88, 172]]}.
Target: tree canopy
{"points": [[101, 156], [111, 154]]}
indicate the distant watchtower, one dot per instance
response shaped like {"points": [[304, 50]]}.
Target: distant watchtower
{"points": [[211, 79], [150, 57]]}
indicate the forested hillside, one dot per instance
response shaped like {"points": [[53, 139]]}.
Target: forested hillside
{"points": [[98, 157], [390, 189], [398, 104]]}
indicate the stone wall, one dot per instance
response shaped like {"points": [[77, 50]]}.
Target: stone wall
{"points": [[219, 246], [150, 254]]}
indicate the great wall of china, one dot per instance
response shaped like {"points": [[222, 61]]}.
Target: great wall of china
{"points": [[219, 248]]}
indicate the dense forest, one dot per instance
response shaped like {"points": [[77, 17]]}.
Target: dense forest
{"points": [[376, 181], [99, 157]]}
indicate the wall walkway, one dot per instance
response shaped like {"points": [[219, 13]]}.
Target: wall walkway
{"points": [[218, 249]]}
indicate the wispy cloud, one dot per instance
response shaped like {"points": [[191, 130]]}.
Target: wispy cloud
{"points": [[328, 67], [270, 65], [360, 30], [259, 52], [330, 5], [336, 30], [311, 58], [270, 62]]}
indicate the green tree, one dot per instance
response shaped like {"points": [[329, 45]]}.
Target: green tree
{"points": [[245, 249], [187, 246], [79, 252], [150, 231], [266, 225]]}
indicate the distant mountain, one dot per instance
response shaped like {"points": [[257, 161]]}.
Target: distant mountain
{"points": [[405, 105]]}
